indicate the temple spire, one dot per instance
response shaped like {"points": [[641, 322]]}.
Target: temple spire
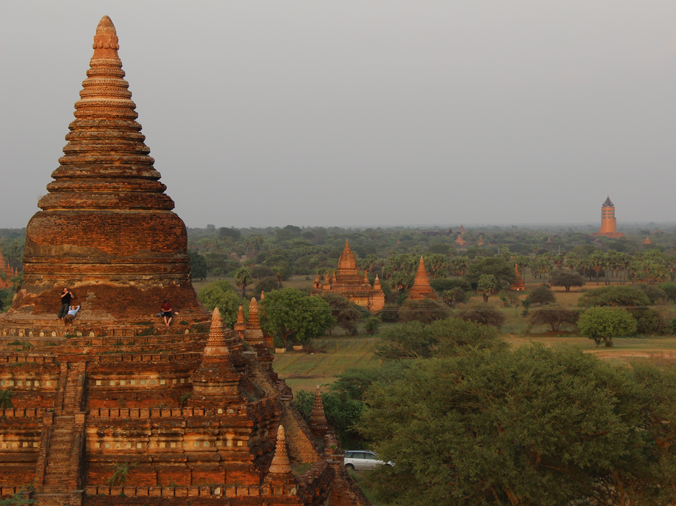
{"points": [[421, 288], [280, 462], [317, 422]]}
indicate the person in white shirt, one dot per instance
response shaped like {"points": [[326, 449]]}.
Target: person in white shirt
{"points": [[68, 319]]}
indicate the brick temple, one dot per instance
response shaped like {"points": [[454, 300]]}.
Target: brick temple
{"points": [[118, 408], [608, 221], [347, 281], [421, 288]]}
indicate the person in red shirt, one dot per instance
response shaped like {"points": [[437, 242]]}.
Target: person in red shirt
{"points": [[166, 312]]}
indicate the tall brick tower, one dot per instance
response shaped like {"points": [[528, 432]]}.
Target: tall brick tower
{"points": [[106, 229], [608, 221]]}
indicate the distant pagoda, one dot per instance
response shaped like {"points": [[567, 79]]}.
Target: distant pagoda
{"points": [[421, 288], [608, 221], [347, 281]]}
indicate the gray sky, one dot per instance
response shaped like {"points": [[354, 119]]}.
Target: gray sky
{"points": [[356, 113]]}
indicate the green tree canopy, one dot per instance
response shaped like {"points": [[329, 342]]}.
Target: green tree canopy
{"points": [[602, 324], [554, 316], [243, 279], [614, 296], [533, 426], [542, 295], [442, 338], [486, 285], [221, 294], [346, 313], [198, 265], [566, 278], [289, 313], [423, 310]]}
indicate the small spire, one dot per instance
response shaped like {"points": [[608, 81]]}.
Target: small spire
{"points": [[280, 462], [240, 325], [262, 295], [317, 421], [216, 343]]}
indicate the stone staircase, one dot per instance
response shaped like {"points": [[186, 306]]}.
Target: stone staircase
{"points": [[60, 483]]}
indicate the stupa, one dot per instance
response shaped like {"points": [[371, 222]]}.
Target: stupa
{"points": [[106, 228], [647, 240], [122, 411], [421, 288], [608, 221], [518, 284], [6, 273], [347, 282]]}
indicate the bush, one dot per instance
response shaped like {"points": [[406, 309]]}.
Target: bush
{"points": [[346, 313], [655, 295], [648, 321], [372, 325], [554, 316], [423, 310], [541, 295], [485, 315], [266, 285], [455, 296], [672, 326], [389, 313], [441, 285], [261, 271], [670, 290]]}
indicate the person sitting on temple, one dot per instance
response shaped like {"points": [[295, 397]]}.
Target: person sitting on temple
{"points": [[166, 312], [66, 297], [68, 319]]}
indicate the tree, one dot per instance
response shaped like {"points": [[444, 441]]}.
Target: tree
{"points": [[442, 338], [221, 294], [486, 315], [669, 289], [451, 297], [346, 313], [541, 295], [289, 313], [566, 279], [423, 310], [242, 279], [531, 426], [602, 324], [554, 316], [372, 325], [486, 285], [198, 265], [266, 285], [614, 296], [496, 266], [655, 295]]}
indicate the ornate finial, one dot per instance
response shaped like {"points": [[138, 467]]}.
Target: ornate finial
{"points": [[317, 421], [216, 342], [280, 462], [105, 41]]}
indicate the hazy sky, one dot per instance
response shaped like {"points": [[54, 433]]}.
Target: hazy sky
{"points": [[357, 113]]}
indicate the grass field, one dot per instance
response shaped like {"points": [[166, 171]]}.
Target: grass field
{"points": [[304, 371]]}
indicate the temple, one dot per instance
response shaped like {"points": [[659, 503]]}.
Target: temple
{"points": [[647, 240], [119, 409], [518, 284], [608, 221], [421, 288], [6, 273], [347, 281]]}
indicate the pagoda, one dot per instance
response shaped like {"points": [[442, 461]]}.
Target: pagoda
{"points": [[6, 273], [608, 221], [518, 284], [347, 281], [647, 240], [421, 288], [119, 409]]}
